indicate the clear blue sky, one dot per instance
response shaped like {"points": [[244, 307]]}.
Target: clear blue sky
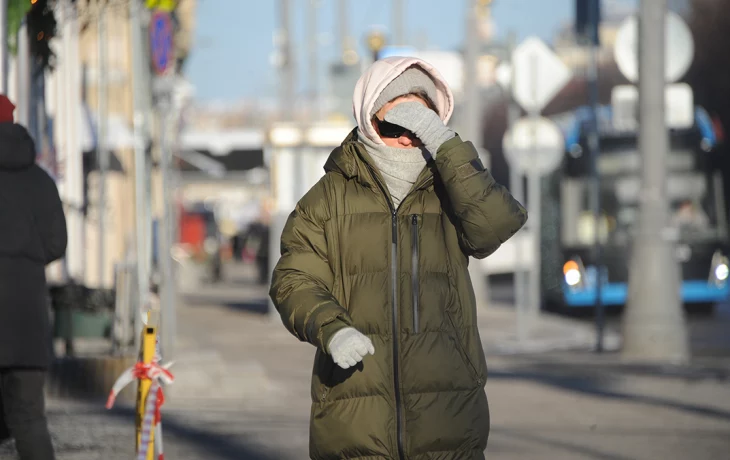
{"points": [[234, 38]]}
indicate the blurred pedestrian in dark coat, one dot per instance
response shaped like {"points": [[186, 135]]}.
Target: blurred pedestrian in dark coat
{"points": [[32, 235]]}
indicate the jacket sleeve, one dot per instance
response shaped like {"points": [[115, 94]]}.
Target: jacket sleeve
{"points": [[52, 225], [485, 212], [302, 279]]}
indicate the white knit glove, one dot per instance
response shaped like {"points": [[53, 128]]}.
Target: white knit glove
{"points": [[421, 121], [348, 347]]}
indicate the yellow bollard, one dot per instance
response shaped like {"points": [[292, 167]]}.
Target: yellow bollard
{"points": [[147, 354], [150, 375]]}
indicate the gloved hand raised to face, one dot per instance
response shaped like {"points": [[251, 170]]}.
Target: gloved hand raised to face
{"points": [[348, 347], [421, 121]]}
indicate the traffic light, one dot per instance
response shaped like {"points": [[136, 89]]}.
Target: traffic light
{"points": [[587, 20]]}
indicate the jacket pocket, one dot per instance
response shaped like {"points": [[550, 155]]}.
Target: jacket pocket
{"points": [[463, 351], [415, 282]]}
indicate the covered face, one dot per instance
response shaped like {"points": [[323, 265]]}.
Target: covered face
{"points": [[395, 79]]}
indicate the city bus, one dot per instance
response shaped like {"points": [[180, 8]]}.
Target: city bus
{"points": [[569, 227]]}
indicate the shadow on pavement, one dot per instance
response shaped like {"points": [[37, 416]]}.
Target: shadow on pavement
{"points": [[245, 305], [216, 446], [522, 436], [600, 380], [260, 307], [241, 280]]}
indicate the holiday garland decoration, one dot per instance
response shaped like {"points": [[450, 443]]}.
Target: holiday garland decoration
{"points": [[42, 26], [41, 22], [17, 9]]}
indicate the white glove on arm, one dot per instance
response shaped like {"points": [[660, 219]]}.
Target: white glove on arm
{"points": [[348, 347]]}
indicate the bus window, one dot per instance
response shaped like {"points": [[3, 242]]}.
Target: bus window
{"points": [[696, 207]]}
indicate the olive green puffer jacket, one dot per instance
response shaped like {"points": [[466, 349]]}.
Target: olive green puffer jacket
{"points": [[400, 277]]}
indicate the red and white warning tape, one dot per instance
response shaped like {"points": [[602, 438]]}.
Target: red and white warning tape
{"points": [[152, 371], [150, 419], [155, 399]]}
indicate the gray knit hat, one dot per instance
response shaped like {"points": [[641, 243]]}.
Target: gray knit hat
{"points": [[412, 80]]}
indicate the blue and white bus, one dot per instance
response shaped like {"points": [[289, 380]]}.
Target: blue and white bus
{"points": [[696, 191]]}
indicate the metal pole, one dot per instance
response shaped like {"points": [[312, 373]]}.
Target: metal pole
{"points": [[140, 156], [287, 100], [534, 198], [472, 123], [287, 69], [594, 151], [101, 147], [167, 294], [518, 192], [398, 25], [4, 47], [534, 204], [40, 117], [313, 57], [23, 76], [472, 96], [654, 324], [73, 180], [343, 23]]}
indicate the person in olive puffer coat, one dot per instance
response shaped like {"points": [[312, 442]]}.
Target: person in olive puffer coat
{"points": [[373, 272]]}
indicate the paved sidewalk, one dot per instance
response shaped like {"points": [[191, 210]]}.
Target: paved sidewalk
{"points": [[548, 405], [229, 347], [544, 332], [242, 392]]}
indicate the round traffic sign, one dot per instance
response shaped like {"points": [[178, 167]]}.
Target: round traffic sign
{"points": [[161, 42], [678, 53], [534, 145]]}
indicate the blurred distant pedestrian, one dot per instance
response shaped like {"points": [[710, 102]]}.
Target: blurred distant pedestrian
{"points": [[374, 262], [32, 235], [255, 241]]}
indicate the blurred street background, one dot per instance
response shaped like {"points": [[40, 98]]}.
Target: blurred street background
{"points": [[181, 133]]}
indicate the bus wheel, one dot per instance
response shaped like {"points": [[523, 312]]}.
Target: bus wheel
{"points": [[700, 308]]}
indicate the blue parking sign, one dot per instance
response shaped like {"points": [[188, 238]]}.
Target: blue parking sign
{"points": [[161, 42]]}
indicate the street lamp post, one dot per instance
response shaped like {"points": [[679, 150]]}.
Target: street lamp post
{"points": [[375, 42]]}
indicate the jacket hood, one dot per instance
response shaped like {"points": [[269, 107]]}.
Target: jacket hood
{"points": [[17, 150], [379, 75]]}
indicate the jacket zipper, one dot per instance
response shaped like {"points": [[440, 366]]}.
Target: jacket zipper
{"points": [[414, 271], [394, 302], [395, 325]]}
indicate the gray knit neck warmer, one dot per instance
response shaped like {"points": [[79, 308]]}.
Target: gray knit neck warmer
{"points": [[400, 168]]}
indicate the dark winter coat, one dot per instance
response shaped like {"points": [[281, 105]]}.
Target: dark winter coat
{"points": [[400, 277], [32, 234]]}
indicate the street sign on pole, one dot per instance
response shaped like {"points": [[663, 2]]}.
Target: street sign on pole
{"points": [[162, 51], [538, 74], [534, 145], [678, 53]]}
